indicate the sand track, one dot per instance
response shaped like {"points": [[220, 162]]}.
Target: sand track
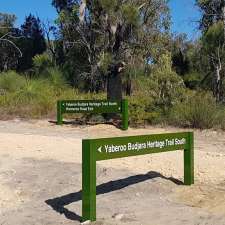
{"points": [[40, 178]]}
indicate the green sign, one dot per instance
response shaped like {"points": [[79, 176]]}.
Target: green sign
{"points": [[110, 148], [86, 106], [93, 106]]}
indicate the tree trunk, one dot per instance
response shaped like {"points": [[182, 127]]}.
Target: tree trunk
{"points": [[114, 90], [218, 88], [224, 20], [114, 82], [129, 87], [114, 86]]}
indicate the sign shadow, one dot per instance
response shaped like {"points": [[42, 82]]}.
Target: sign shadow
{"points": [[58, 204], [116, 123]]}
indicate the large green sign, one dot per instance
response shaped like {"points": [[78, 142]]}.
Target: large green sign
{"points": [[110, 148], [93, 106]]}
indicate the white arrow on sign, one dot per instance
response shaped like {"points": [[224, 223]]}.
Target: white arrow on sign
{"points": [[100, 149]]}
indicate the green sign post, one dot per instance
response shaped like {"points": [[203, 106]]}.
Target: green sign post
{"points": [[111, 148], [93, 106]]}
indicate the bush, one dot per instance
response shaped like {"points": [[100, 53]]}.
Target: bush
{"points": [[37, 98], [142, 110], [33, 90], [55, 78], [192, 80], [11, 81], [198, 110], [221, 118], [167, 85], [156, 94], [41, 63]]}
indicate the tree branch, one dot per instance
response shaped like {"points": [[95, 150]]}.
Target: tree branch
{"points": [[13, 44]]}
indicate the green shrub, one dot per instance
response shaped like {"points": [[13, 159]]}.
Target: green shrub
{"points": [[37, 99], [155, 94], [168, 87], [142, 110], [198, 110], [192, 80], [68, 94], [41, 63], [221, 118], [56, 80], [11, 81], [34, 89]]}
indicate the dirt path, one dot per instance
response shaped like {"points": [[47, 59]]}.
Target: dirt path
{"points": [[40, 179]]}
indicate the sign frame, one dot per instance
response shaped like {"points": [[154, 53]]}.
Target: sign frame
{"points": [[122, 108], [92, 149]]}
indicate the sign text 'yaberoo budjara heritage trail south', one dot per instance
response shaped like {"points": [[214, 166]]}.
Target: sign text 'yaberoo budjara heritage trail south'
{"points": [[111, 148], [93, 106]]}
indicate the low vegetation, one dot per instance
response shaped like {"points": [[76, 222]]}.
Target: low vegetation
{"points": [[36, 98], [113, 51]]}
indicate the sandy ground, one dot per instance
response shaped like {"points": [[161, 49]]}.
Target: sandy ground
{"points": [[40, 178]]}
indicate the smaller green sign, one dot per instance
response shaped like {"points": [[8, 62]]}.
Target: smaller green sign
{"points": [[86, 106], [93, 106]]}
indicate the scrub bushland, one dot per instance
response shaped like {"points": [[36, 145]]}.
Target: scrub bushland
{"points": [[150, 103], [198, 110], [35, 98]]}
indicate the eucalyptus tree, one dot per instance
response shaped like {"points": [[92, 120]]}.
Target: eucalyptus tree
{"points": [[214, 45], [9, 50], [212, 12], [212, 25]]}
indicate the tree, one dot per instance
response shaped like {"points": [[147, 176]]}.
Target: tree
{"points": [[33, 41], [111, 35], [9, 51], [180, 47], [62, 5], [212, 25], [212, 12], [214, 45], [50, 31], [168, 86], [7, 21]]}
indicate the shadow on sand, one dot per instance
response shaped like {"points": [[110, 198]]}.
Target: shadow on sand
{"points": [[115, 123], [58, 203]]}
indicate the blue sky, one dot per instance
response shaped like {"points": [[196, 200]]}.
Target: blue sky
{"points": [[184, 13], [185, 17]]}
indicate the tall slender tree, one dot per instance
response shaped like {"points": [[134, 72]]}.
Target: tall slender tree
{"points": [[212, 12], [33, 41], [212, 25]]}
